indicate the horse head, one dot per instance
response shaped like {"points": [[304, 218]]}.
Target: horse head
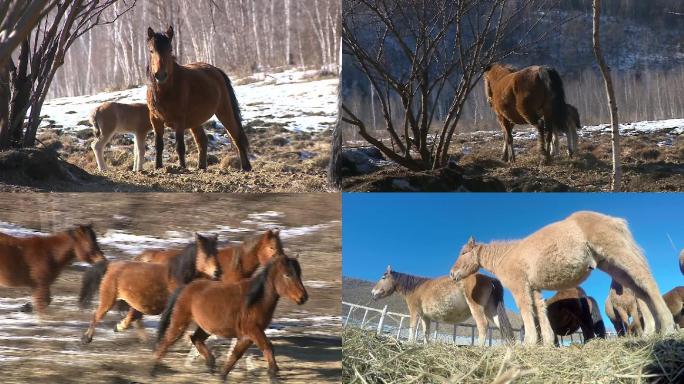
{"points": [[206, 260], [85, 244], [385, 286], [468, 261], [288, 279], [161, 60], [269, 246]]}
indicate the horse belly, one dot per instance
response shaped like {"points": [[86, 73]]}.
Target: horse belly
{"points": [[14, 272], [450, 307], [561, 270], [150, 300]]}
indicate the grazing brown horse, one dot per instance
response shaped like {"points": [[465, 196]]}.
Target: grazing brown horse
{"points": [[571, 309], [532, 95], [186, 96], [675, 302], [146, 286], [36, 261], [621, 305], [241, 310], [562, 255], [441, 300]]}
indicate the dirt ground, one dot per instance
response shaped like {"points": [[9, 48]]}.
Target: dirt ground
{"points": [[647, 167], [282, 161]]}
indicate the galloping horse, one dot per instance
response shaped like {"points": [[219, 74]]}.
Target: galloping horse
{"points": [[186, 96], [675, 302], [532, 95], [36, 261], [571, 309], [441, 300], [562, 255], [145, 286], [242, 310], [109, 118], [621, 305]]}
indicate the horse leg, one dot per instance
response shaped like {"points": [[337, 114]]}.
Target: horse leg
{"points": [[139, 151], [504, 130], [107, 301], [622, 319], [266, 347], [180, 320], [541, 142], [180, 145], [41, 297], [478, 313], [546, 330], [413, 320], [98, 146], [198, 338], [200, 138], [127, 320], [426, 328], [158, 126], [523, 300], [237, 134], [240, 347]]}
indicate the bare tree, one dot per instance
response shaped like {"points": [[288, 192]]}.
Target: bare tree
{"points": [[610, 93], [19, 17], [415, 53]]}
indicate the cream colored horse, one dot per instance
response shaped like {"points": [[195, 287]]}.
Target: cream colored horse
{"points": [[621, 305], [562, 255], [441, 300], [109, 118]]}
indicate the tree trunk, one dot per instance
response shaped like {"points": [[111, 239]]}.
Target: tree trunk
{"points": [[335, 166], [4, 107], [605, 71]]}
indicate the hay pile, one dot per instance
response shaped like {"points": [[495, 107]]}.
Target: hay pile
{"points": [[368, 358]]}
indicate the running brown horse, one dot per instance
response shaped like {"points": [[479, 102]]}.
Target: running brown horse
{"points": [[186, 96], [571, 309], [441, 300], [532, 95], [36, 261], [145, 286], [242, 310], [621, 305]]}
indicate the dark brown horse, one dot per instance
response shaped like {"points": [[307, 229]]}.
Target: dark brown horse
{"points": [[36, 261], [186, 96], [571, 309], [241, 310], [145, 286], [533, 95]]}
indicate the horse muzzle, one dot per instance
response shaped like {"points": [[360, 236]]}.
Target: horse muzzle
{"points": [[302, 299], [455, 275]]}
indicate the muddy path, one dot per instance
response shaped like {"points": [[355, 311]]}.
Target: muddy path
{"points": [[47, 349]]}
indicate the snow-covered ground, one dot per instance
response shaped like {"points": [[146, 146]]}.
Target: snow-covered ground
{"points": [[287, 98]]}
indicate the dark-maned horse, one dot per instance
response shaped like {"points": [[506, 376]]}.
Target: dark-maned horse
{"points": [[441, 300], [241, 310], [620, 306], [186, 96], [533, 95], [571, 309], [36, 261], [145, 286]]}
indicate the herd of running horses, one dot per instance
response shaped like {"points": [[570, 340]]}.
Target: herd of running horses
{"points": [[557, 257], [178, 96], [230, 292]]}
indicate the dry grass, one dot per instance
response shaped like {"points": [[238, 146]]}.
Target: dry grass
{"points": [[368, 358]]}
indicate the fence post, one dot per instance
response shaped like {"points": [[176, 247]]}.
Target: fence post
{"points": [[382, 319], [363, 321], [454, 336], [351, 308], [489, 334], [572, 339], [434, 337], [472, 335], [399, 331]]}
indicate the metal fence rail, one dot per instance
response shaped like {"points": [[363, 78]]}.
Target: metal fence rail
{"points": [[397, 325]]}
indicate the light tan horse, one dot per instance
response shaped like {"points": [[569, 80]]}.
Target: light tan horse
{"points": [[562, 255], [441, 300], [675, 302], [532, 95], [109, 118], [621, 306]]}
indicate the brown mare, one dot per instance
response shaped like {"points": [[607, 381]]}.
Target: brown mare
{"points": [[232, 310], [533, 95], [36, 261], [675, 302], [571, 309], [145, 286], [621, 305], [186, 96], [441, 300]]}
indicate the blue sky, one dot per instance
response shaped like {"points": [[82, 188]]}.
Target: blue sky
{"points": [[422, 234]]}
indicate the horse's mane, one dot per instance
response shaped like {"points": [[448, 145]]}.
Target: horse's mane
{"points": [[260, 278], [182, 268], [406, 283]]}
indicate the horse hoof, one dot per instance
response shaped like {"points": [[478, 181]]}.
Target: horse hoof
{"points": [[85, 339]]}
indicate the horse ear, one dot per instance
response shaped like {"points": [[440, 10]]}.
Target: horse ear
{"points": [[276, 232], [471, 241], [150, 33], [199, 238], [389, 269], [169, 32]]}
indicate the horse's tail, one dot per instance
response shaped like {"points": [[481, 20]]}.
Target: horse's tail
{"points": [[90, 282], [504, 323], [596, 319], [554, 85], [165, 318], [242, 136]]}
